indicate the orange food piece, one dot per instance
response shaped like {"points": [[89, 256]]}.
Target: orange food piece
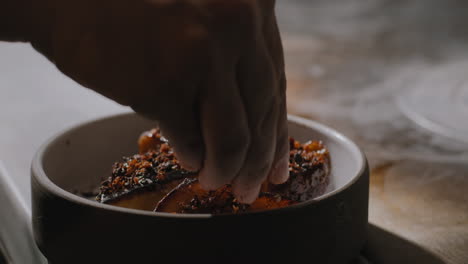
{"points": [[140, 181], [155, 177], [190, 198], [150, 140], [143, 198]]}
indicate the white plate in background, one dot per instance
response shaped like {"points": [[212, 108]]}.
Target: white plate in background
{"points": [[439, 101]]}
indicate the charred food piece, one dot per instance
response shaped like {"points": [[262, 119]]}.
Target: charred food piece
{"points": [[309, 167], [155, 178], [190, 198], [151, 141], [309, 172], [139, 182]]}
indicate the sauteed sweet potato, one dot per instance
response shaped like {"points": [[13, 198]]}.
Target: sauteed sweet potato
{"points": [[154, 180], [190, 198]]}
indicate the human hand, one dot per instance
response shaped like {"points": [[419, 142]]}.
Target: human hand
{"points": [[210, 71]]}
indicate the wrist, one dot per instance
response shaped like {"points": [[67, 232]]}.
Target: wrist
{"points": [[15, 20]]}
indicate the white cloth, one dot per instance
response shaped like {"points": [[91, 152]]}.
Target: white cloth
{"points": [[36, 102], [15, 224]]}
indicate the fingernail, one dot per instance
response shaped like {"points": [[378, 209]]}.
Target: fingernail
{"points": [[280, 172], [246, 195]]}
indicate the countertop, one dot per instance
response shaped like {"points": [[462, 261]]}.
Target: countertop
{"points": [[347, 61]]}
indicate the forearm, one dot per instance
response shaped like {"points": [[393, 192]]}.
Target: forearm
{"points": [[14, 20]]}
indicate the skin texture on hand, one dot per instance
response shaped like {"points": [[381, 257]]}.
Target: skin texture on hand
{"points": [[210, 71]]}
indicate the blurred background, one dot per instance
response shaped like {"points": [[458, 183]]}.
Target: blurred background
{"points": [[393, 76], [390, 74]]}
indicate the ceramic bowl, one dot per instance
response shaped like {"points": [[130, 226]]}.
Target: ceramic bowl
{"points": [[72, 229]]}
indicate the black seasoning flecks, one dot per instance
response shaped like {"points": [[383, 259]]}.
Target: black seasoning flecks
{"points": [[155, 167], [221, 201], [189, 198], [156, 170], [309, 169]]}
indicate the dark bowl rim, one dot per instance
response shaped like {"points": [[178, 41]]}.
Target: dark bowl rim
{"points": [[40, 177]]}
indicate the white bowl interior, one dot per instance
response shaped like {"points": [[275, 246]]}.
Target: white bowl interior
{"points": [[77, 160]]}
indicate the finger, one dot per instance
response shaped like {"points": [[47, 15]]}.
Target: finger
{"points": [[258, 163], [280, 170], [176, 110], [225, 129], [259, 93], [181, 127], [176, 65], [175, 107]]}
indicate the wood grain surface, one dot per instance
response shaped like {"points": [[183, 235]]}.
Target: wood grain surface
{"points": [[347, 61]]}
